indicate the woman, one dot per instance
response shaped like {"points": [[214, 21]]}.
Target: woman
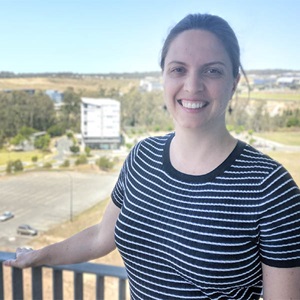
{"points": [[196, 214]]}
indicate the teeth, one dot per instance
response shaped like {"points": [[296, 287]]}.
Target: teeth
{"points": [[192, 104]]}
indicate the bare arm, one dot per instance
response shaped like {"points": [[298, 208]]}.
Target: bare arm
{"points": [[91, 243], [281, 283]]}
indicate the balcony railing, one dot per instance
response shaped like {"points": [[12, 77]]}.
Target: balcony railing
{"points": [[99, 270]]}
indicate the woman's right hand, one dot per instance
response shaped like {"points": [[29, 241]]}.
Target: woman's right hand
{"points": [[24, 258]]}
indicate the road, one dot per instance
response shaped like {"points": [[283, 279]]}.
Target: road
{"points": [[43, 199]]}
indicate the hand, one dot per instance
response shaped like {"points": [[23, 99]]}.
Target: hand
{"points": [[24, 258]]}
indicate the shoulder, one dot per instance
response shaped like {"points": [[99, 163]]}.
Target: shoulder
{"points": [[268, 172], [257, 159], [152, 142]]}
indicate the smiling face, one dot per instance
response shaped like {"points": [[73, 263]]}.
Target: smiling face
{"points": [[198, 80]]}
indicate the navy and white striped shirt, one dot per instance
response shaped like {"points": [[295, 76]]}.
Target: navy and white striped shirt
{"points": [[204, 237]]}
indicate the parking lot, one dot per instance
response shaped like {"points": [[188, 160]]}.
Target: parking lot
{"points": [[43, 199]]}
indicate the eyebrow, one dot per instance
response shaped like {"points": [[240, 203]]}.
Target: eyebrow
{"points": [[205, 65]]}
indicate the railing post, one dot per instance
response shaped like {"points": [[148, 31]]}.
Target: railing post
{"points": [[57, 284], [122, 289], [99, 270], [1, 282], [78, 286], [17, 283], [37, 283], [100, 288]]}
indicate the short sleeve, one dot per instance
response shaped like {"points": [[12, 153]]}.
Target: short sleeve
{"points": [[280, 221], [117, 194], [118, 191]]}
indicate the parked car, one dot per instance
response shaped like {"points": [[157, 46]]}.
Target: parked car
{"points": [[27, 230], [6, 216]]}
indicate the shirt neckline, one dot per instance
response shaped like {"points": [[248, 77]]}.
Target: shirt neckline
{"points": [[168, 167]]}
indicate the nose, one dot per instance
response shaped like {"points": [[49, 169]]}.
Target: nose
{"points": [[193, 83]]}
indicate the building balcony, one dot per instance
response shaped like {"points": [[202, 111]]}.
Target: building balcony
{"points": [[16, 289]]}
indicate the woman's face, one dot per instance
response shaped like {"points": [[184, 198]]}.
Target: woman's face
{"points": [[198, 80]]}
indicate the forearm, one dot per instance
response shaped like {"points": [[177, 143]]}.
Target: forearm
{"points": [[91, 243], [83, 246]]}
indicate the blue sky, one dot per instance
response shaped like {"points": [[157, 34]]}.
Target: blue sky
{"points": [[103, 36]]}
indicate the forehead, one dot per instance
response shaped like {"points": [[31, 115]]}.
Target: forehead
{"points": [[196, 45]]}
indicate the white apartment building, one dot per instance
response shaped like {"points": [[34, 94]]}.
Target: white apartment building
{"points": [[100, 123]]}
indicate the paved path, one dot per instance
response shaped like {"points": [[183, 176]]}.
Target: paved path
{"points": [[43, 199]]}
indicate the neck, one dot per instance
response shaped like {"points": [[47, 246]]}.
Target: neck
{"points": [[199, 152]]}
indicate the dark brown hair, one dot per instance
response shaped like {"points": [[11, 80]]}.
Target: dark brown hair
{"points": [[214, 24]]}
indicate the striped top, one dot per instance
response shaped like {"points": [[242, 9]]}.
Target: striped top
{"points": [[204, 237]]}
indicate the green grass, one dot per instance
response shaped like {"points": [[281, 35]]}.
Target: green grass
{"points": [[6, 156], [291, 138]]}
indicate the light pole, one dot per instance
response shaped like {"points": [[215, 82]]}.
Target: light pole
{"points": [[71, 197]]}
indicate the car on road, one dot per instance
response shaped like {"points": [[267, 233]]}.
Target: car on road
{"points": [[26, 230], [6, 216]]}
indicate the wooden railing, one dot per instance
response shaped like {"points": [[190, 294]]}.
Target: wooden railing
{"points": [[99, 270]]}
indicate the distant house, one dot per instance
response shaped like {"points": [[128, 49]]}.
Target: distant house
{"points": [[28, 91], [150, 84], [100, 123], [28, 145], [57, 97], [287, 81]]}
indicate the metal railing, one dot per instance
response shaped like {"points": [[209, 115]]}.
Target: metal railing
{"points": [[99, 270]]}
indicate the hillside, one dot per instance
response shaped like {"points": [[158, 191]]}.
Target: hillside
{"points": [[79, 84]]}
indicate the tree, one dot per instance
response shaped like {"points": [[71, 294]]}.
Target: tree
{"points": [[14, 166], [42, 142], [71, 110], [26, 131], [19, 109], [74, 149], [17, 140], [56, 130]]}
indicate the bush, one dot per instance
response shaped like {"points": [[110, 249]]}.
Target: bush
{"points": [[34, 158], [87, 150], [18, 165], [81, 160], [56, 130], [65, 164], [69, 135], [74, 149], [17, 140], [42, 142], [47, 165], [9, 167], [14, 166], [104, 163]]}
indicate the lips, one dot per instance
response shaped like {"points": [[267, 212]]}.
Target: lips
{"points": [[192, 104]]}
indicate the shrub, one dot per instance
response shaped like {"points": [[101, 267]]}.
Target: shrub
{"points": [[74, 149], [18, 165], [47, 165], [65, 164], [9, 167], [14, 166], [104, 163], [81, 160], [17, 140], [70, 135], [34, 158], [56, 130], [87, 150], [42, 142]]}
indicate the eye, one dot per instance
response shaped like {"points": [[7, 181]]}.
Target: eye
{"points": [[214, 72], [178, 70]]}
